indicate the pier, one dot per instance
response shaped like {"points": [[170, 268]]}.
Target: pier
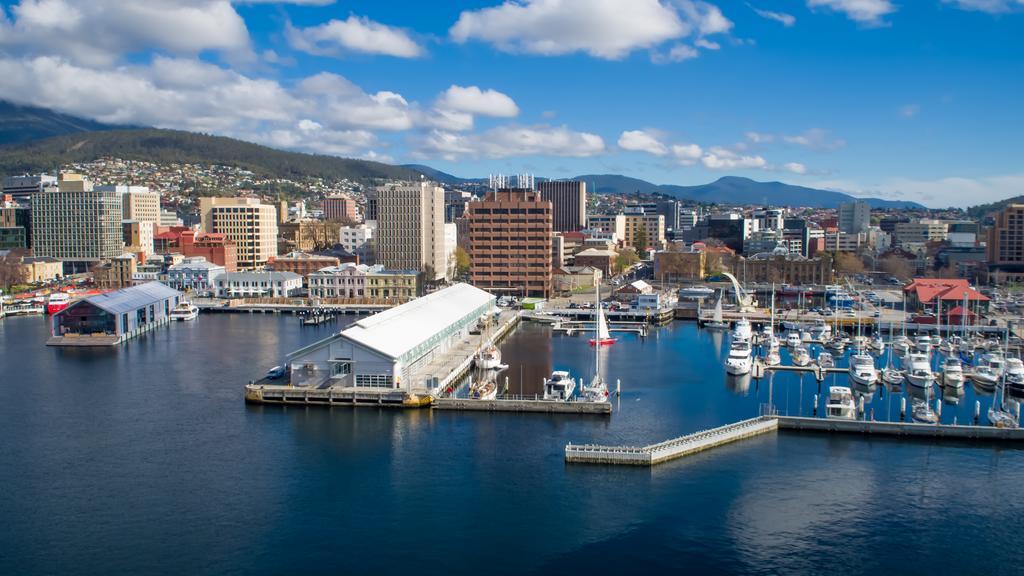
{"points": [[519, 404], [572, 327], [670, 449], [900, 429]]}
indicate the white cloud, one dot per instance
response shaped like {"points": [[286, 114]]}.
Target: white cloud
{"points": [[939, 193], [816, 139], [297, 2], [609, 29], [687, 154], [100, 32], [473, 100], [707, 44], [356, 34], [760, 137], [678, 53], [507, 141], [719, 158], [642, 141], [909, 110], [795, 168], [786, 20], [867, 12], [989, 6]]}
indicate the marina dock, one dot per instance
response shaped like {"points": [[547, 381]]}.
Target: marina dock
{"points": [[517, 404], [670, 449], [900, 429]]}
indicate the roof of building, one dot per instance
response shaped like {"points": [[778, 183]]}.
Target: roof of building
{"points": [[636, 286], [299, 255], [193, 263], [398, 330], [130, 299], [946, 289], [597, 252]]}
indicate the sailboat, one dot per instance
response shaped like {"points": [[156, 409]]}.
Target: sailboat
{"points": [[890, 375], [716, 320], [601, 337], [597, 390]]}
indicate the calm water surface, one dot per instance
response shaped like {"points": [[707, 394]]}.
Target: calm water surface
{"points": [[144, 459]]}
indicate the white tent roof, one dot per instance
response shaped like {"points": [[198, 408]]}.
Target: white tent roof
{"points": [[398, 330]]}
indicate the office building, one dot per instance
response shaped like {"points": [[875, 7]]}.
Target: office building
{"points": [[21, 188], [612, 224], [370, 210], [510, 243], [410, 227], [358, 240], [568, 203], [359, 281], [138, 236], [252, 226], [920, 232], [76, 224], [340, 208], [1006, 245], [15, 224], [854, 217], [137, 203]]}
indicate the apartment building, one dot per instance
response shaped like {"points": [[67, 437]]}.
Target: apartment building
{"points": [[568, 203], [76, 224], [510, 243], [251, 225]]}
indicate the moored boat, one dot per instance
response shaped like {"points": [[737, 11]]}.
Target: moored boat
{"points": [[56, 302], [841, 405], [185, 311], [559, 387]]}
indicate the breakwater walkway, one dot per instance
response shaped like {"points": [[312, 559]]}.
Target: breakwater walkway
{"points": [[670, 449]]}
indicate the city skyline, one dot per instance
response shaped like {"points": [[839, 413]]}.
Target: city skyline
{"points": [[874, 98]]}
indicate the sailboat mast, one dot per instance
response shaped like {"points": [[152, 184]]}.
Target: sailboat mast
{"points": [[598, 312]]}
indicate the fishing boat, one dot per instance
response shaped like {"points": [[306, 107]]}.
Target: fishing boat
{"points": [[559, 387], [919, 371], [841, 405], [56, 302], [602, 337], [825, 360], [922, 413], [740, 359], [185, 311], [952, 373], [716, 318], [800, 356]]}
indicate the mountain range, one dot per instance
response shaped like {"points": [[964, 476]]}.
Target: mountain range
{"points": [[36, 139]]}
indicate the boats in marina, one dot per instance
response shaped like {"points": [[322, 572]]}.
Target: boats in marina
{"points": [[773, 358], [923, 343], [922, 413], [1014, 381], [559, 386], [985, 376], [597, 390], [901, 345], [820, 330], [484, 389], [602, 337], [742, 330], [740, 360], [859, 342], [793, 339], [801, 356], [1001, 418], [876, 343], [838, 344], [840, 405], [56, 302], [696, 292], [716, 319], [489, 358], [185, 311], [953, 373], [919, 371], [805, 336], [862, 369], [825, 360]]}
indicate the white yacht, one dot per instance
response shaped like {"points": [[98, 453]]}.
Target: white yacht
{"points": [[740, 359], [952, 373], [985, 377], [923, 343], [825, 360], [742, 330], [821, 331], [837, 344], [800, 356], [862, 369], [840, 403], [1014, 370], [793, 339], [876, 343], [185, 311], [901, 345], [559, 387], [773, 358], [919, 371], [597, 390], [892, 378], [922, 413], [696, 292]]}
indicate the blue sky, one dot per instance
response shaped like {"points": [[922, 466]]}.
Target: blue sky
{"points": [[910, 99]]}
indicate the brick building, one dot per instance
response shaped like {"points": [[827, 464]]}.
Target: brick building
{"points": [[510, 243]]}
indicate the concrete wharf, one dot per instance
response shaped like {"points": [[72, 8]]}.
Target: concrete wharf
{"points": [[571, 327], [658, 316], [900, 429], [523, 404]]}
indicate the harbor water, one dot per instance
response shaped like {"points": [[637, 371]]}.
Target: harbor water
{"points": [[143, 459]]}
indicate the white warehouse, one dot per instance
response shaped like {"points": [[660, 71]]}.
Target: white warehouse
{"points": [[389, 350]]}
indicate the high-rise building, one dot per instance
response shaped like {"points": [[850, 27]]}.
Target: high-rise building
{"points": [[138, 236], [137, 202], [252, 226], [920, 232], [568, 203], [370, 213], [510, 243], [340, 208], [358, 240], [854, 217], [15, 224], [76, 224], [22, 187], [410, 227], [1006, 244]]}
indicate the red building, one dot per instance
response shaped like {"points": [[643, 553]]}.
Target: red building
{"points": [[216, 248], [340, 209]]}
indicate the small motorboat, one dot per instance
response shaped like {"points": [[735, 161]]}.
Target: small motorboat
{"points": [[841, 404], [559, 387], [740, 359], [922, 413], [185, 311]]}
